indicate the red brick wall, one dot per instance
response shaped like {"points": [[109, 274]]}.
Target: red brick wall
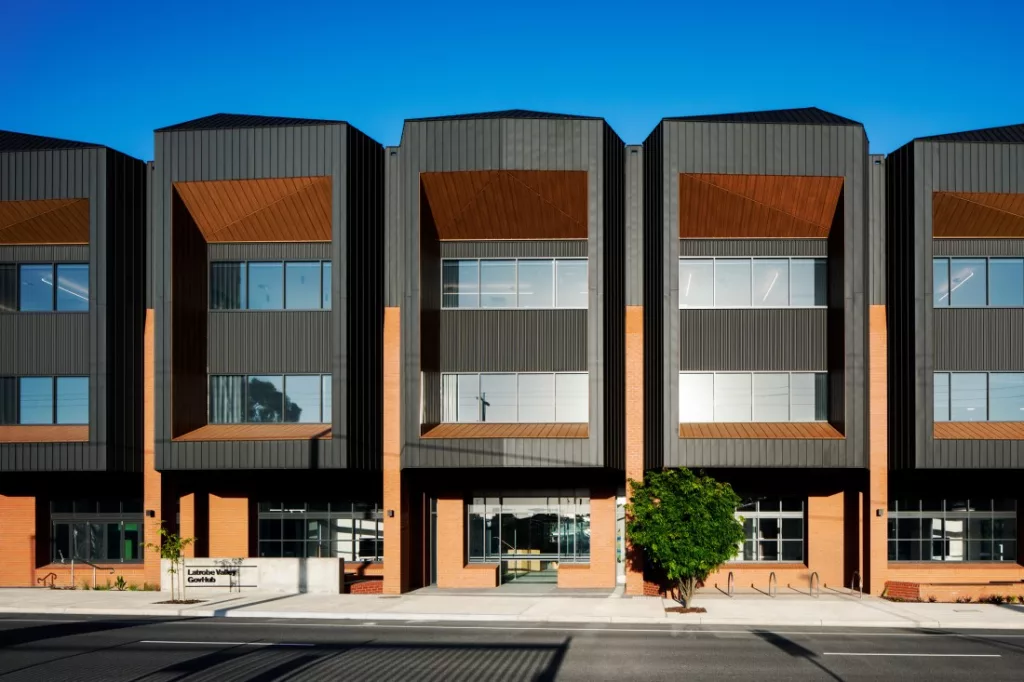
{"points": [[452, 569], [396, 528], [875, 528], [151, 483], [634, 426], [229, 526], [17, 541], [600, 572], [903, 590]]}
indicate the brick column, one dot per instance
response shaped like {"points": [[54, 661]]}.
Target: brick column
{"points": [[396, 578], [876, 551], [452, 569], [600, 572], [634, 427], [229, 526], [152, 497], [17, 541], [187, 521], [825, 529]]}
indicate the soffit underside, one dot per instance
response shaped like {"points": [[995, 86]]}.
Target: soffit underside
{"points": [[44, 221], [977, 215]]}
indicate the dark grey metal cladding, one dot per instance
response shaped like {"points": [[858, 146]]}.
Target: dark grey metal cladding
{"points": [[560, 248], [393, 228], [501, 452], [106, 343], [634, 225], [493, 144], [280, 341], [513, 341], [270, 251], [770, 149], [776, 340], [355, 165], [913, 173], [735, 452], [876, 229], [979, 339], [753, 247]]}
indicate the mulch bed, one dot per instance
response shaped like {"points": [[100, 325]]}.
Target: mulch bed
{"points": [[686, 609], [181, 601]]}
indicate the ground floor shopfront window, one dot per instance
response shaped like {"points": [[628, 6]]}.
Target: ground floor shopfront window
{"points": [[529, 536], [100, 531], [353, 531], [773, 530], [953, 530]]}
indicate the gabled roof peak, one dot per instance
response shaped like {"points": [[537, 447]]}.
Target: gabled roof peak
{"points": [[226, 121], [1013, 134], [23, 142], [804, 116], [507, 113]]}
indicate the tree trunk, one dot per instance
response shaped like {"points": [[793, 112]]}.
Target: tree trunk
{"points": [[687, 586]]}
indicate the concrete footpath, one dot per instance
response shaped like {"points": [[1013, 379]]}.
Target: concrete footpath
{"points": [[831, 609]]}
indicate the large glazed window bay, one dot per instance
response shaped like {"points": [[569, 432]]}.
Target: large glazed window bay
{"points": [[753, 397], [508, 398], [752, 282], [270, 399]]}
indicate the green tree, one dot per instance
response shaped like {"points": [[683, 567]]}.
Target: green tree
{"points": [[172, 547], [685, 524]]}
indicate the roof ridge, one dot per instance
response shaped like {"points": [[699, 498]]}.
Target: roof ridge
{"points": [[13, 141], [798, 116], [224, 120]]}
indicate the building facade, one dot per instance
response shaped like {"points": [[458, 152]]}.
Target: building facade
{"points": [[345, 367]]}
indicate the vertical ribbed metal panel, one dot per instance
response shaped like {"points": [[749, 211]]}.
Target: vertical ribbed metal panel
{"points": [[513, 341], [634, 224], [876, 229], [488, 453], [979, 339], [39, 344], [730, 248], [45, 253], [270, 251], [614, 251], [392, 227], [537, 248], [483, 144], [726, 453], [267, 342], [770, 149], [978, 247], [659, 354], [776, 340]]}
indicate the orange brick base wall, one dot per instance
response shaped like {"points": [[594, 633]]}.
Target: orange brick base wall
{"points": [[229, 526], [452, 569], [59, 575], [600, 572], [17, 541]]}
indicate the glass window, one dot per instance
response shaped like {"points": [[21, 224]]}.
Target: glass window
{"points": [[35, 293], [328, 405], [770, 534], [696, 398], [572, 398], [536, 283], [265, 286], [72, 400], [771, 282], [548, 529], [809, 396], [325, 287], [227, 399], [460, 284], [302, 286], [1006, 397], [967, 282], [537, 398], [227, 286], [497, 284], [468, 404], [73, 287], [771, 397], [571, 284], [1006, 282], [8, 287], [968, 393], [265, 399], [940, 282], [110, 531], [35, 400], [941, 397], [696, 283], [302, 399], [952, 530], [498, 397], [808, 282], [732, 398], [732, 282]]}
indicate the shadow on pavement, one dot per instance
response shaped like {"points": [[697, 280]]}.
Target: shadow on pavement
{"points": [[795, 650], [9, 638]]}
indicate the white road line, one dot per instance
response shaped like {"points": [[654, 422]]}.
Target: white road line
{"points": [[168, 641], [918, 655]]}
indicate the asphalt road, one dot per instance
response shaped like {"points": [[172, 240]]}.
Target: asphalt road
{"points": [[93, 648]]}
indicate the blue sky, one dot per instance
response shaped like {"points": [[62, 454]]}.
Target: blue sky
{"points": [[111, 71]]}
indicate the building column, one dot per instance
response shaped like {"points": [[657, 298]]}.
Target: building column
{"points": [[634, 429], [396, 523], [600, 572], [452, 569], [152, 493], [17, 541], [876, 551], [229, 526], [825, 544], [187, 521]]}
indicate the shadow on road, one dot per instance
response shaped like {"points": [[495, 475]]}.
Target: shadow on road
{"points": [[9, 638], [795, 650]]}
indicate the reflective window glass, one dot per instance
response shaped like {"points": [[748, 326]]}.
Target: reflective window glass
{"points": [[302, 399], [460, 284], [808, 397], [266, 286], [771, 397], [227, 399], [967, 282], [808, 282], [327, 414], [265, 399], [732, 398], [8, 287], [35, 293], [227, 286], [940, 282], [302, 286], [696, 283], [571, 284], [497, 284], [325, 287], [968, 392], [73, 287], [696, 398], [536, 283], [941, 397], [572, 398], [1006, 282], [537, 398], [72, 400], [1006, 397], [35, 400], [771, 282], [498, 397], [732, 282], [468, 397]]}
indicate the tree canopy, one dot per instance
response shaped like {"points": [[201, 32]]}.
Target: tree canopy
{"points": [[685, 524]]}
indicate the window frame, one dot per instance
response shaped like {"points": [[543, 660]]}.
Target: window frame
{"points": [[284, 285], [752, 375], [284, 394], [554, 260], [331, 512], [53, 398], [988, 281], [895, 515], [776, 513], [554, 385], [988, 398], [752, 259], [76, 517], [53, 296]]}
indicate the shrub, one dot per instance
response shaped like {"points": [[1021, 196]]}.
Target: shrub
{"points": [[133, 587], [120, 585], [932, 599]]}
